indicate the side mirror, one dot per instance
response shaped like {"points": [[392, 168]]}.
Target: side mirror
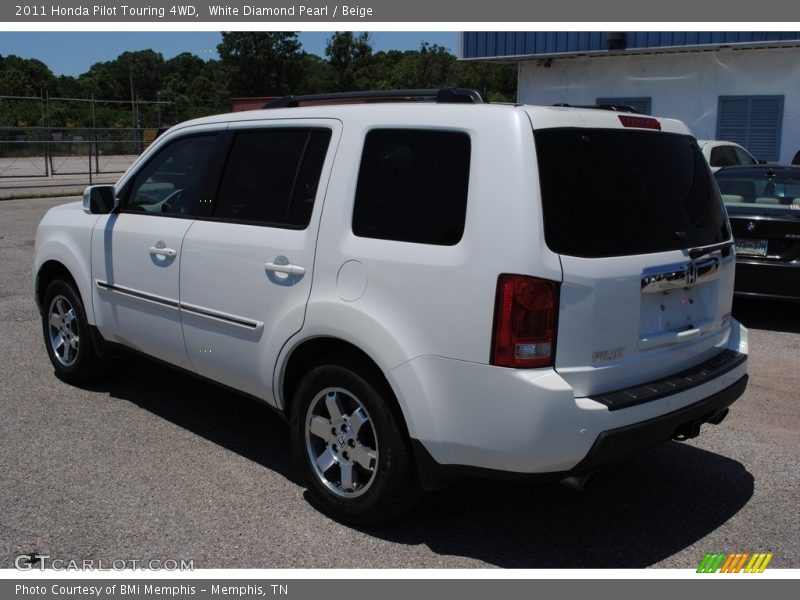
{"points": [[761, 161], [99, 199]]}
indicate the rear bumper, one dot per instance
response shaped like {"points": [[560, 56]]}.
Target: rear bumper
{"points": [[680, 424], [780, 281], [610, 446], [466, 418]]}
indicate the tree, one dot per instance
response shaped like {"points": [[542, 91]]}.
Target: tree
{"points": [[251, 64], [186, 64], [348, 54], [433, 66], [380, 74], [24, 76], [146, 68], [498, 82], [261, 63], [142, 70], [319, 76]]}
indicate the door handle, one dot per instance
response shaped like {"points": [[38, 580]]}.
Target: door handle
{"points": [[168, 252], [287, 269]]}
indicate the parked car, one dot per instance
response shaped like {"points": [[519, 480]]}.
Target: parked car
{"points": [[763, 204], [721, 154], [423, 290]]}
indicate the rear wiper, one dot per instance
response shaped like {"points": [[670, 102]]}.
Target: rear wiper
{"points": [[695, 253]]}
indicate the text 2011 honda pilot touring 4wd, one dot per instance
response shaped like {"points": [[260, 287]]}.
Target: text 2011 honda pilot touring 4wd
{"points": [[425, 289]]}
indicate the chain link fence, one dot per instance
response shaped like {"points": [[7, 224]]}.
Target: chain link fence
{"points": [[45, 151], [43, 136]]}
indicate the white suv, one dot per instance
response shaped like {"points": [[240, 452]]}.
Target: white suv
{"points": [[424, 290], [721, 154]]}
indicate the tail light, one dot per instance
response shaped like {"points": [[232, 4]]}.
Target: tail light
{"points": [[524, 322]]}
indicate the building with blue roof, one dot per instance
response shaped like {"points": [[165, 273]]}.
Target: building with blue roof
{"points": [[738, 86]]}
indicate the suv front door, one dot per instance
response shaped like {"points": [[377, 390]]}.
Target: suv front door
{"points": [[136, 252]]}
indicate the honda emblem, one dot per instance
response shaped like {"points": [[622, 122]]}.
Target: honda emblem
{"points": [[691, 273]]}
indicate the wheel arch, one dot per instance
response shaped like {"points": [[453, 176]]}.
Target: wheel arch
{"points": [[48, 272], [322, 350]]}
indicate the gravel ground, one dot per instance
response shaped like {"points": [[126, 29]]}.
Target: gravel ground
{"points": [[152, 464]]}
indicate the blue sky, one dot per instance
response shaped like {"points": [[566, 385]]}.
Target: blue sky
{"points": [[72, 53]]}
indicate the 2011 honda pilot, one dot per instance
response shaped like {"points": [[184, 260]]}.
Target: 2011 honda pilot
{"points": [[426, 286]]}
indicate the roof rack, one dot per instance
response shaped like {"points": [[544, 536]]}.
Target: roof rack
{"points": [[614, 107], [447, 95]]}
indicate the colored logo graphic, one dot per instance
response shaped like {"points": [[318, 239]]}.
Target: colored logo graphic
{"points": [[742, 562]]}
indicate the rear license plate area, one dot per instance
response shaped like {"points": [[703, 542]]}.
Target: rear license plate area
{"points": [[751, 247]]}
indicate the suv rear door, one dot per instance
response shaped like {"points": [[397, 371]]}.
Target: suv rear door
{"points": [[622, 206], [246, 272]]}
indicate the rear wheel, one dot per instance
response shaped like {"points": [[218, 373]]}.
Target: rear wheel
{"points": [[351, 451], [66, 334]]}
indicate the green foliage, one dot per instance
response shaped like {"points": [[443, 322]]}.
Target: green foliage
{"points": [[433, 66], [318, 76], [348, 53], [250, 64], [261, 63]]}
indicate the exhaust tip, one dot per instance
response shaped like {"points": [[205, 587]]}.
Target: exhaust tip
{"points": [[579, 482]]}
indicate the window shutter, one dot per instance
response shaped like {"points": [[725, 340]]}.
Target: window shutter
{"points": [[752, 121]]}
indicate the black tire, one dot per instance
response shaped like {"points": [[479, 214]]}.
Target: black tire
{"points": [[368, 434], [68, 341]]}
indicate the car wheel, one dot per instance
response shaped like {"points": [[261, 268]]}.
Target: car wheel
{"points": [[350, 449], [66, 334]]}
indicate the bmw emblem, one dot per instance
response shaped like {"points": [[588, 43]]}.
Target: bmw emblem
{"points": [[751, 226]]}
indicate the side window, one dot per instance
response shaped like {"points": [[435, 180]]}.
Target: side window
{"points": [[271, 177], [743, 158], [723, 156], [170, 183], [412, 186]]}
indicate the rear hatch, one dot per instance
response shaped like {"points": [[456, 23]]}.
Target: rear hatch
{"points": [[634, 214]]}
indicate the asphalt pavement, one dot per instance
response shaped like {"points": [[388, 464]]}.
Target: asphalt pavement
{"points": [[152, 464]]}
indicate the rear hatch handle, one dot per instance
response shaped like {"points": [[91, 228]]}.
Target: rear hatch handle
{"points": [[695, 253], [669, 338]]}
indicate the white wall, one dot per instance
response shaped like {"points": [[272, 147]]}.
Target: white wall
{"points": [[682, 85]]}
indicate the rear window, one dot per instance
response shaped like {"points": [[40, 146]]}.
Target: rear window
{"points": [[617, 193], [764, 188]]}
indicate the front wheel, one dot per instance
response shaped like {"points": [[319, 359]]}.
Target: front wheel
{"points": [[66, 334], [351, 452]]}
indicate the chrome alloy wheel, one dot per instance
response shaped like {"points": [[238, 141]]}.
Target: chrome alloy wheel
{"points": [[63, 330], [341, 442]]}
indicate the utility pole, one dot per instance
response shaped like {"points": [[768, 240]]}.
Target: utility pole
{"points": [[47, 147], [96, 149], [133, 100]]}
